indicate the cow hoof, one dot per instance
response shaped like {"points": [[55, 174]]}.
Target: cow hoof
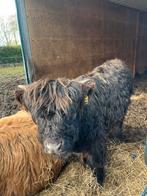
{"points": [[100, 175]]}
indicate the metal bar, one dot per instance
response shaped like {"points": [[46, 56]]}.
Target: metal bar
{"points": [[25, 41]]}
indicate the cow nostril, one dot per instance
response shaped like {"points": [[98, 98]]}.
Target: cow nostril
{"points": [[60, 145]]}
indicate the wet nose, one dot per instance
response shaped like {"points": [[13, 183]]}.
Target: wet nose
{"points": [[52, 148]]}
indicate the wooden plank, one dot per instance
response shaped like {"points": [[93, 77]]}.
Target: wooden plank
{"points": [[137, 4], [141, 59], [136, 43], [69, 38]]}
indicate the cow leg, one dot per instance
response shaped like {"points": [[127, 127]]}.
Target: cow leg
{"points": [[97, 157], [98, 161]]}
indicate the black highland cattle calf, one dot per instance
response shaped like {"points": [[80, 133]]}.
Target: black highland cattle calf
{"points": [[76, 115]]}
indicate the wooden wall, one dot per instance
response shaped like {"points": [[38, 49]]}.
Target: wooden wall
{"points": [[141, 60], [70, 37]]}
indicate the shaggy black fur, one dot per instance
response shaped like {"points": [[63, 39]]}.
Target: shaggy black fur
{"points": [[76, 115]]}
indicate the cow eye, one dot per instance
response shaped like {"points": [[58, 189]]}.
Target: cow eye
{"points": [[62, 113], [51, 114]]}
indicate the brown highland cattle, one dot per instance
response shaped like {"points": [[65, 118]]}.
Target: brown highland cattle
{"points": [[24, 168]]}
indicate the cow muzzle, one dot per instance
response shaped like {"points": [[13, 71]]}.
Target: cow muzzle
{"points": [[51, 147]]}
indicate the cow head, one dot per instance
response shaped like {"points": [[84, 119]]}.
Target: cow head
{"points": [[56, 107]]}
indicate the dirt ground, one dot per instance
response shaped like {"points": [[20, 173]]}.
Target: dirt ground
{"points": [[10, 78], [126, 174]]}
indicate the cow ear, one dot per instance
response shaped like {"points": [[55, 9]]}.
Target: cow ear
{"points": [[19, 93], [88, 87]]}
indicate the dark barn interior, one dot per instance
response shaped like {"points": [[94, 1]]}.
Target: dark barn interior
{"points": [[67, 38]]}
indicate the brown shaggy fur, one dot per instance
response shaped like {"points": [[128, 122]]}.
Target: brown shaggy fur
{"points": [[24, 168]]}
